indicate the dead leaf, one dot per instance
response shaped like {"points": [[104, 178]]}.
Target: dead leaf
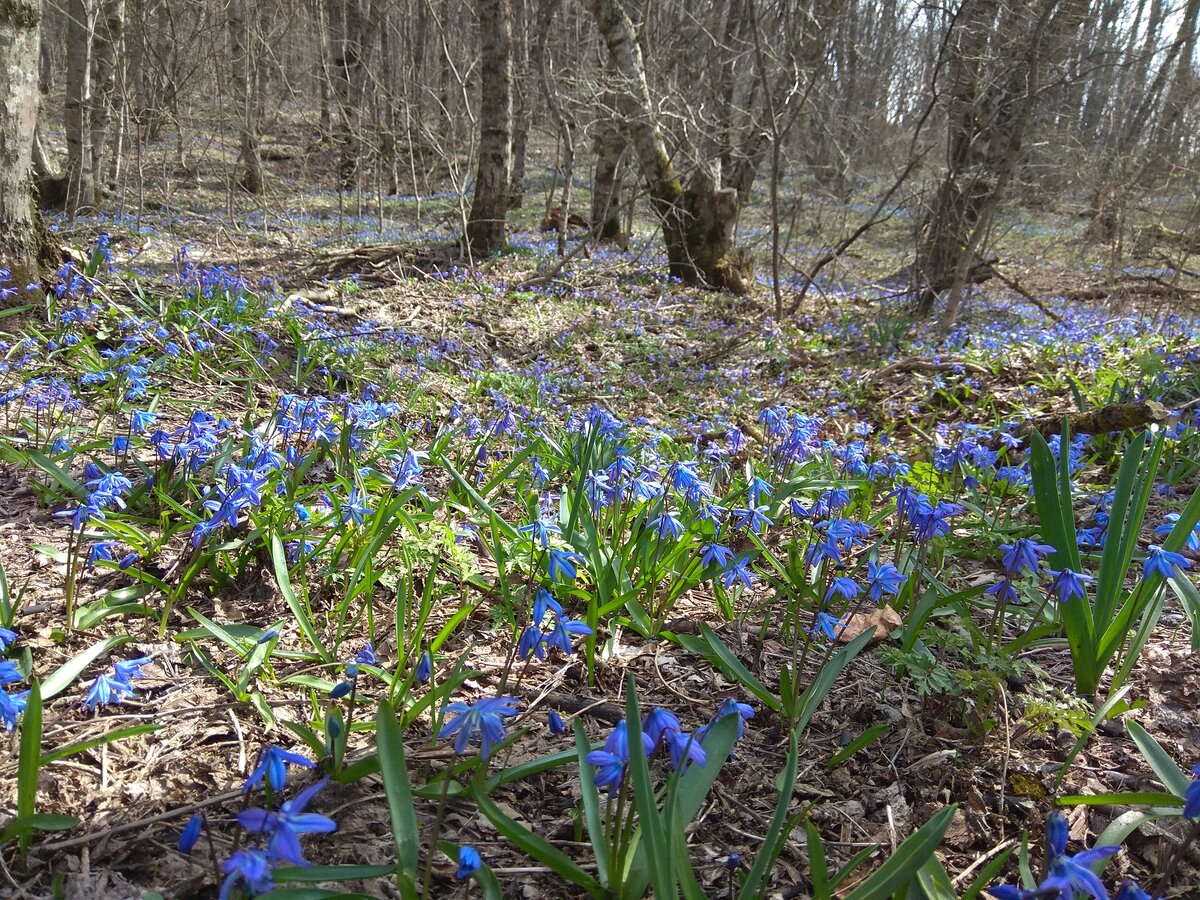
{"points": [[884, 619]]}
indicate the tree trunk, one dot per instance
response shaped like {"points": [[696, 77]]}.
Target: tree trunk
{"points": [[527, 69], [245, 107], [992, 91], [698, 223], [109, 47], [606, 195], [485, 226], [19, 23], [81, 190]]}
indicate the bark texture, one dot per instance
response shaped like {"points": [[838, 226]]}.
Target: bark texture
{"points": [[246, 111], [81, 188], [19, 25], [485, 225], [698, 223]]}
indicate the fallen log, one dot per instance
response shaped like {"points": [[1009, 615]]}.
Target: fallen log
{"points": [[1106, 419]]}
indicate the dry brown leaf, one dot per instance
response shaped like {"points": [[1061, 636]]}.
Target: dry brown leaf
{"points": [[885, 619]]}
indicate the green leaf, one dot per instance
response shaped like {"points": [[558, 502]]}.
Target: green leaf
{"points": [[777, 831], [932, 883], [902, 866], [314, 874], [1131, 798], [712, 648], [1173, 778], [649, 818], [872, 734], [29, 759], [535, 845], [68, 673], [284, 580], [590, 800], [818, 873], [394, 767], [814, 695]]}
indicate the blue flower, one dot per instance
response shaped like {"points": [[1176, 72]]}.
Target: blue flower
{"points": [[562, 562], [9, 673], [667, 525], [540, 531], [105, 690], [715, 554], [1023, 555], [482, 719], [273, 767], [557, 725], [828, 625], [1003, 591], [1069, 585], [737, 571], [841, 586], [1069, 876], [285, 827], [425, 667], [883, 578], [531, 643], [191, 833], [1191, 797], [469, 862], [728, 707], [366, 656], [341, 689], [128, 669], [252, 868], [610, 762], [560, 635], [11, 707], [1164, 562], [7, 636], [1130, 891], [753, 518]]}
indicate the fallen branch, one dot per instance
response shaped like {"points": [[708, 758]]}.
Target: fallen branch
{"points": [[1012, 285], [1106, 419], [917, 364]]}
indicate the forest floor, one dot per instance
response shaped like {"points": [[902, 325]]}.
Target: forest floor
{"points": [[988, 726]]}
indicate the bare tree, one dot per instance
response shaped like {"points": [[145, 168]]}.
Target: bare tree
{"points": [[19, 21], [698, 222], [485, 227], [241, 38], [81, 189], [108, 47]]}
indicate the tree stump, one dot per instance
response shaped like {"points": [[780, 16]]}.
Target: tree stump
{"points": [[710, 217]]}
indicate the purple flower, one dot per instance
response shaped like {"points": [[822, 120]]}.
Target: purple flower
{"points": [[191, 833]]}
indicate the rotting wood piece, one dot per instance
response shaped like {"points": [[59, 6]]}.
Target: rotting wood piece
{"points": [[1106, 419]]}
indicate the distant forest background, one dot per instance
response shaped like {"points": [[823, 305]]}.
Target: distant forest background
{"points": [[826, 118]]}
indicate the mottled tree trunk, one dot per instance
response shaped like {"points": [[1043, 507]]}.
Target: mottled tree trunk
{"points": [[19, 22], [81, 190], [485, 226], [698, 223], [245, 106], [108, 48], [606, 199]]}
